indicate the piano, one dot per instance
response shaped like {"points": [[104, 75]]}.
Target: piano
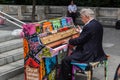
{"points": [[44, 48]]}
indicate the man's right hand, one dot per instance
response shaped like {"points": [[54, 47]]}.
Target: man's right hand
{"points": [[78, 29]]}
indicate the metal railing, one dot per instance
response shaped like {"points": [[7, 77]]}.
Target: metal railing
{"points": [[10, 19]]}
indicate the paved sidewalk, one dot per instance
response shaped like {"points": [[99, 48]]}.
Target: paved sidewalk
{"points": [[18, 77]]}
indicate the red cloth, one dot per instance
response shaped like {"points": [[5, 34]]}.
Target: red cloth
{"points": [[32, 63]]}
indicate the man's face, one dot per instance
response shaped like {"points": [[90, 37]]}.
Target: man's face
{"points": [[84, 18]]}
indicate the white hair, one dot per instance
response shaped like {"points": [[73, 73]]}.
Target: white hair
{"points": [[87, 12]]}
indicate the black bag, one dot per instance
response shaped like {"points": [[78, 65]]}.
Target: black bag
{"points": [[117, 25]]}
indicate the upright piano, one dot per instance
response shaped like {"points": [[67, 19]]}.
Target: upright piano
{"points": [[44, 47]]}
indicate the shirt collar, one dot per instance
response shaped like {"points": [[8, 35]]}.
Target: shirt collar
{"points": [[89, 21]]}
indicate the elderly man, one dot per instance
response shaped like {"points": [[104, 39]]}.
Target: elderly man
{"points": [[88, 44]]}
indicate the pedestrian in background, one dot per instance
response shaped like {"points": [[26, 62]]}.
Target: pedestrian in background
{"points": [[72, 9]]}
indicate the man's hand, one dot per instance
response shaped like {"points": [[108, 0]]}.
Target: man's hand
{"points": [[78, 29], [66, 41]]}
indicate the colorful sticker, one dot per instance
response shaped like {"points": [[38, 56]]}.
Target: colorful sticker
{"points": [[69, 21], [52, 75], [29, 29], [25, 47], [56, 24], [38, 28], [46, 52], [35, 44], [50, 63], [42, 69], [47, 27], [32, 73], [64, 22]]}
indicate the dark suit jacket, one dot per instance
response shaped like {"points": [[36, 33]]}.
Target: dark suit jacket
{"points": [[89, 43]]}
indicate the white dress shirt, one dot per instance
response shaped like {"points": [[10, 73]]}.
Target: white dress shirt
{"points": [[86, 24], [72, 8]]}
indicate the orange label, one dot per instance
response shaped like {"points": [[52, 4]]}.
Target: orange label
{"points": [[42, 69], [25, 47], [47, 26]]}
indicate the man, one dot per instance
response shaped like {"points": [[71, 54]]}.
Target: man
{"points": [[88, 44], [72, 8]]}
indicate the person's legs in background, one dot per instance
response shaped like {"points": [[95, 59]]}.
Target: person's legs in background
{"points": [[73, 16]]}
